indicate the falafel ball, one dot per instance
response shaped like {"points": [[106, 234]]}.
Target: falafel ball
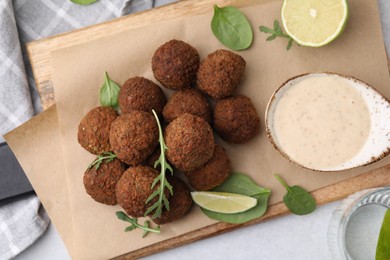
{"points": [[100, 183], [139, 93], [220, 73], [134, 188], [94, 129], [187, 101], [236, 119], [211, 174], [174, 64], [134, 136], [151, 160], [190, 142], [179, 203]]}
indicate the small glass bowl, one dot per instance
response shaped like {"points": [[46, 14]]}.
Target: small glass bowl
{"points": [[355, 224]]}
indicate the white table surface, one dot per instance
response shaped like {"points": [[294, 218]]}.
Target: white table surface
{"points": [[288, 237]]}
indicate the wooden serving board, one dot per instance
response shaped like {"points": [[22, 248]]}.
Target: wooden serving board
{"points": [[40, 57]]}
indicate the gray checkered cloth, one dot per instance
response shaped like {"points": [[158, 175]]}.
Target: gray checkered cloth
{"points": [[21, 222], [21, 21]]}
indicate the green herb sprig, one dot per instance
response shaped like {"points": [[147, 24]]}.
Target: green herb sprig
{"points": [[107, 156], [232, 28], [277, 32], [297, 200], [109, 92], [161, 178], [134, 224], [242, 184]]}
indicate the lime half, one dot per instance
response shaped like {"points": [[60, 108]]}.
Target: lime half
{"points": [[223, 202], [383, 247], [314, 23]]}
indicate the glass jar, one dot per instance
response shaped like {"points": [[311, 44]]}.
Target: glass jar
{"points": [[355, 224]]}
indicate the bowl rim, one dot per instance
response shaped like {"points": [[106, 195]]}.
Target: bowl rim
{"points": [[272, 139]]}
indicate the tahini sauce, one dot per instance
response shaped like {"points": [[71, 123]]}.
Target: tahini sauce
{"points": [[321, 122]]}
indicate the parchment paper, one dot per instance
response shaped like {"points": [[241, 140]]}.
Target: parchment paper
{"points": [[78, 75], [38, 148]]}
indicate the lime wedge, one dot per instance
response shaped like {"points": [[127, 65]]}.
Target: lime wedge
{"points": [[223, 202], [383, 247], [314, 23]]}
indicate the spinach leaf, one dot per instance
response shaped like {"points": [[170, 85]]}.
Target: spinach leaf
{"points": [[242, 184], [297, 200], [109, 93], [231, 28], [84, 2]]}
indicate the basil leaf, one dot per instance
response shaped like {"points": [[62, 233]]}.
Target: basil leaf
{"points": [[231, 28], [297, 199], [84, 2], [109, 93], [383, 246], [242, 184]]}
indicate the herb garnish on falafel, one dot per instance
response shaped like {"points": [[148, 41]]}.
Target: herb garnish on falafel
{"points": [[162, 199], [107, 156]]}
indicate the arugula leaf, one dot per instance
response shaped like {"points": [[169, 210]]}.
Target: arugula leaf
{"points": [[108, 156], [162, 200], [84, 2], [242, 184], [109, 93], [231, 27], [276, 32], [297, 200], [134, 224]]}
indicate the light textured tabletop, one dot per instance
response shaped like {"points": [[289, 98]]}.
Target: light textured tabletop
{"points": [[289, 237]]}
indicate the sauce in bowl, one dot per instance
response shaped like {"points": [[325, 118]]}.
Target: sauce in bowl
{"points": [[321, 121]]}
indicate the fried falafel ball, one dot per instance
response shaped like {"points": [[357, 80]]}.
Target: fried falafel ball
{"points": [[139, 93], [236, 119], [134, 188], [151, 160], [94, 129], [134, 136], [211, 174], [187, 101], [179, 203], [220, 73], [100, 183], [190, 142], [174, 64]]}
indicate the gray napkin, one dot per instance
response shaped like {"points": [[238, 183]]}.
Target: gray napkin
{"points": [[15, 99], [21, 223], [21, 21]]}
